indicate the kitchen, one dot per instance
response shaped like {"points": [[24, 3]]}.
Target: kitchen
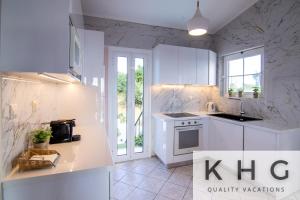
{"points": [[129, 147]]}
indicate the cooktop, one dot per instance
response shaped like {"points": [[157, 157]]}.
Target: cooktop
{"points": [[179, 115]]}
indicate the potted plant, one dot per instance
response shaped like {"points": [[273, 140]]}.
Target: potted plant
{"points": [[255, 92], [240, 92], [41, 137], [230, 92]]}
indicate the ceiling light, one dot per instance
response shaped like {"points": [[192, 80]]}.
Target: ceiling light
{"points": [[198, 25]]}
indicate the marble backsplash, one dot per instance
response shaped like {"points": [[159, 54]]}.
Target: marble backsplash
{"points": [[179, 98], [27, 104], [20, 116], [275, 25]]}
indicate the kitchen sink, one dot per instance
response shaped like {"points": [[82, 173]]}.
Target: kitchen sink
{"points": [[235, 117]]}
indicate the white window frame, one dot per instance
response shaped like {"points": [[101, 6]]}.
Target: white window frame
{"points": [[239, 55]]}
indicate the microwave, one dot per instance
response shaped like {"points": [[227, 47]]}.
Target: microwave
{"points": [[75, 52]]}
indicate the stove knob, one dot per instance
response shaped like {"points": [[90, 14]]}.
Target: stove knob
{"points": [[182, 123], [195, 122], [189, 122]]}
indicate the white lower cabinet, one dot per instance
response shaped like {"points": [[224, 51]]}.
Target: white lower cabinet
{"points": [[224, 136], [289, 141], [259, 140], [86, 184]]}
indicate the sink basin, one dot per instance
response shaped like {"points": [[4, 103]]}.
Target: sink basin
{"points": [[235, 117]]}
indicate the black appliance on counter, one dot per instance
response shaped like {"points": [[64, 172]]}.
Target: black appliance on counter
{"points": [[62, 131]]}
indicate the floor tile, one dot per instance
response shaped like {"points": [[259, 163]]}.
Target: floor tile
{"points": [[188, 194], [118, 174], [143, 169], [139, 194], [186, 170], [191, 184], [160, 174], [150, 179], [150, 161], [126, 165], [121, 190], [152, 184], [133, 179], [173, 191], [180, 179], [163, 167], [159, 197]]}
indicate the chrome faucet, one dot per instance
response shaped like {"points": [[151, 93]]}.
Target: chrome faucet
{"points": [[242, 109]]}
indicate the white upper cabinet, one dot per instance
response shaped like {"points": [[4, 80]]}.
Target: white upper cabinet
{"points": [[187, 65], [166, 68], [212, 67], [35, 36], [93, 58], [75, 7], [183, 65], [202, 66]]}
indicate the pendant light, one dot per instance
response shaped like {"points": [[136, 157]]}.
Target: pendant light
{"points": [[198, 25]]}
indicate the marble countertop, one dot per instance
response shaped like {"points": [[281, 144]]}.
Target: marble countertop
{"points": [[90, 153], [266, 125]]}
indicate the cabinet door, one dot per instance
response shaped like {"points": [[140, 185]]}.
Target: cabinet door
{"points": [[202, 66], [187, 63], [81, 33], [166, 65], [212, 77], [225, 136], [76, 13], [289, 141], [93, 57], [35, 36], [256, 139]]}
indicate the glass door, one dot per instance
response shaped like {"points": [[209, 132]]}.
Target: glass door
{"points": [[127, 124]]}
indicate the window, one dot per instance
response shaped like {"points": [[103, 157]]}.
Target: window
{"points": [[244, 71]]}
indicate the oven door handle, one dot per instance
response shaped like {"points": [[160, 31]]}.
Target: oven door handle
{"points": [[188, 128]]}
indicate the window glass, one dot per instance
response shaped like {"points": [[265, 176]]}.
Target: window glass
{"points": [[251, 81], [236, 82], [252, 65], [244, 71], [235, 67]]}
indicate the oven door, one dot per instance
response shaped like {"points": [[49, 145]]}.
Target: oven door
{"points": [[187, 139]]}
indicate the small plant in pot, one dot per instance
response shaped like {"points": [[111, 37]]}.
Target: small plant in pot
{"points": [[255, 92], [240, 92], [41, 137], [230, 92]]}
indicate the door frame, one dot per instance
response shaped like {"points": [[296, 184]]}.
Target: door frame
{"points": [[112, 101], [1, 129]]}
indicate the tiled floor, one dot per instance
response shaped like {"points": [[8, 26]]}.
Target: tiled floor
{"points": [[148, 179]]}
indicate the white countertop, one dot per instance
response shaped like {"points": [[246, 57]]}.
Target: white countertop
{"points": [[91, 152], [266, 125]]}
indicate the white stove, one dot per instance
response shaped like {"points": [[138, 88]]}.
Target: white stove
{"points": [[180, 115], [178, 136]]}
